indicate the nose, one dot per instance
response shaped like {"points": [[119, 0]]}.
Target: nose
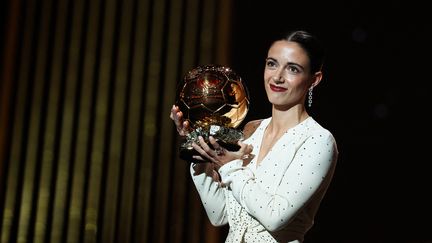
{"points": [[278, 77]]}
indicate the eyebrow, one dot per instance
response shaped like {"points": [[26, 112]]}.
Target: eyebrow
{"points": [[289, 63]]}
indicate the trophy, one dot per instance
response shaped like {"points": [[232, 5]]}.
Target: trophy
{"points": [[214, 99]]}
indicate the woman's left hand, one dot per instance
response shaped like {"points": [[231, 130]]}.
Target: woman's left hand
{"points": [[218, 154]]}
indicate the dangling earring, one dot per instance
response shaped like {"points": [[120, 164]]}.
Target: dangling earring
{"points": [[310, 97]]}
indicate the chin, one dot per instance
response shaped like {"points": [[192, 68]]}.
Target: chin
{"points": [[277, 103], [275, 100]]}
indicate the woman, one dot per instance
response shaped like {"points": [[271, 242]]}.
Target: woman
{"points": [[270, 190]]}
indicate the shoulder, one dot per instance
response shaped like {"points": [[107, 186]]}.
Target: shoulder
{"points": [[316, 128], [321, 135], [250, 127]]}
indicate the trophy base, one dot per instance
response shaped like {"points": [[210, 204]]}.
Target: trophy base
{"points": [[225, 136], [188, 153]]}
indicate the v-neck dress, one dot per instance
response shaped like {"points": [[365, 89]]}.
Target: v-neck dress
{"points": [[277, 200]]}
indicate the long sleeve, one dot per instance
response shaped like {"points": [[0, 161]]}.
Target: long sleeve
{"points": [[303, 181], [211, 194]]}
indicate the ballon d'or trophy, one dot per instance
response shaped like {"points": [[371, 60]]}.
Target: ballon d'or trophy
{"points": [[215, 100]]}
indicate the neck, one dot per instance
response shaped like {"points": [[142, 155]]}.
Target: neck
{"points": [[282, 120]]}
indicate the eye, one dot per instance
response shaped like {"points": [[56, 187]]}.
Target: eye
{"points": [[270, 63], [293, 69]]}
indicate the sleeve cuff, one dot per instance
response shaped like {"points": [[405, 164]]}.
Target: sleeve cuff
{"points": [[235, 176]]}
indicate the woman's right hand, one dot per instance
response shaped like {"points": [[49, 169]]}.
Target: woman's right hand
{"points": [[219, 155], [183, 127]]}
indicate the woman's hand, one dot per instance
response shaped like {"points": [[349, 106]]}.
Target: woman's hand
{"points": [[220, 155], [210, 169], [183, 127]]}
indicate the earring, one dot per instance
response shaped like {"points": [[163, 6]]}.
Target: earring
{"points": [[310, 97]]}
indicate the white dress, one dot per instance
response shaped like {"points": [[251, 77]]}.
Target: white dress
{"points": [[276, 201]]}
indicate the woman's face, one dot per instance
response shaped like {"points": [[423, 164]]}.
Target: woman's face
{"points": [[287, 75]]}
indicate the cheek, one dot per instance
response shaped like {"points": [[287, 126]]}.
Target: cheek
{"points": [[268, 76], [298, 82]]}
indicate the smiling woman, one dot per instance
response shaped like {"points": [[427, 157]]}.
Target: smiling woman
{"points": [[271, 188], [287, 70]]}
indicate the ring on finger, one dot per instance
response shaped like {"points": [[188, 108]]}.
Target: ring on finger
{"points": [[219, 151]]}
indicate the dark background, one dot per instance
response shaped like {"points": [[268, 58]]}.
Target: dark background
{"points": [[4, 5], [373, 98]]}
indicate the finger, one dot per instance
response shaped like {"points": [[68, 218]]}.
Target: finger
{"points": [[205, 146], [182, 126], [215, 176], [198, 157], [174, 108], [186, 125], [201, 151], [178, 118], [218, 150], [249, 149], [176, 114], [243, 147], [172, 112], [214, 142], [178, 121]]}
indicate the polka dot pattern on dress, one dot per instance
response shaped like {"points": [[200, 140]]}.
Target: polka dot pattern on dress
{"points": [[275, 196]]}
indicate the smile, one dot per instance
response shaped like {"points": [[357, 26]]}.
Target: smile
{"points": [[277, 88]]}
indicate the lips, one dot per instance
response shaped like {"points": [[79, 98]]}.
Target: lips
{"points": [[277, 88]]}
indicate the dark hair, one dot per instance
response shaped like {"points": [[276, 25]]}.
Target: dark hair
{"points": [[311, 45]]}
